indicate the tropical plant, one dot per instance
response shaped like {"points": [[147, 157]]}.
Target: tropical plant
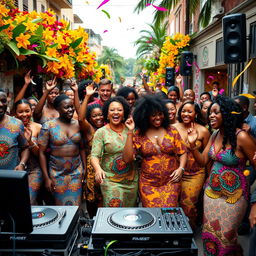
{"points": [[62, 51], [110, 56], [160, 16], [151, 41]]}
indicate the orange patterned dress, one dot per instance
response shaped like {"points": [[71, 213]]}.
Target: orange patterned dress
{"points": [[157, 166]]}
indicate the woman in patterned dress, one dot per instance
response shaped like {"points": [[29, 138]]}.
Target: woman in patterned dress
{"points": [[67, 156], [90, 119], [14, 152], [23, 111], [226, 192], [118, 180], [163, 154], [194, 175]]}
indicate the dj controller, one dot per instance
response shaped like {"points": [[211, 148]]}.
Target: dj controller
{"points": [[58, 230]]}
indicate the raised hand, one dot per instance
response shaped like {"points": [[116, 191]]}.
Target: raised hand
{"points": [[73, 85], [90, 90], [179, 79], [129, 123], [51, 84], [28, 133], [28, 78], [192, 135]]}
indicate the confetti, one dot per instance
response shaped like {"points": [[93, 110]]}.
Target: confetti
{"points": [[221, 91], [148, 4], [246, 172], [108, 15], [188, 64], [235, 113], [105, 31], [87, 2], [120, 20], [248, 95], [211, 77], [160, 8], [104, 2]]}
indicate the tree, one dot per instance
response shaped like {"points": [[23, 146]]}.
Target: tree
{"points": [[110, 56], [192, 5], [151, 41]]}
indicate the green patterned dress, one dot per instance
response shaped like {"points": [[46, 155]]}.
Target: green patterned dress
{"points": [[120, 187]]}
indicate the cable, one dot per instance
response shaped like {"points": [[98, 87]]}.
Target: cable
{"points": [[109, 244]]}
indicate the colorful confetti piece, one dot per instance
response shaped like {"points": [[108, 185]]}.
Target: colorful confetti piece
{"points": [[160, 8], [104, 2], [108, 15]]}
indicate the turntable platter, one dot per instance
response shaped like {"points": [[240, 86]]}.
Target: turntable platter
{"points": [[131, 219], [42, 216]]}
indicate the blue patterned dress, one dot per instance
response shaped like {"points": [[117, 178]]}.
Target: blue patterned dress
{"points": [[225, 202], [65, 172], [12, 139]]}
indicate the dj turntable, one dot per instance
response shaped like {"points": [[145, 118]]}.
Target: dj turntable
{"points": [[141, 228], [54, 228]]}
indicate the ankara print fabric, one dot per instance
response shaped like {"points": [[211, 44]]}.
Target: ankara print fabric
{"points": [[12, 139], [157, 166], [226, 193], [119, 188]]}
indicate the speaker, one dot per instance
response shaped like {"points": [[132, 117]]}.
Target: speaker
{"points": [[169, 76], [186, 61], [234, 38]]}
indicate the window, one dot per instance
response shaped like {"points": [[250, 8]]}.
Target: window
{"points": [[252, 46], [219, 51], [177, 21], [34, 5], [25, 5], [42, 8]]}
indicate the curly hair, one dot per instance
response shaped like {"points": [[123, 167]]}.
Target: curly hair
{"points": [[174, 89], [122, 101], [232, 118], [198, 117], [147, 106], [125, 91]]}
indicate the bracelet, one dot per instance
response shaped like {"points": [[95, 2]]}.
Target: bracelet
{"points": [[23, 164]]}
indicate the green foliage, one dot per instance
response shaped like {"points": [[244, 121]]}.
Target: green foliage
{"points": [[152, 65]]}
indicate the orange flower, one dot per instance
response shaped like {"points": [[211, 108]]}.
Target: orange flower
{"points": [[53, 67], [23, 41]]}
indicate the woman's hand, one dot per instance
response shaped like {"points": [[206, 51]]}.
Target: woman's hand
{"points": [[73, 85], [129, 123], [179, 79], [100, 175], [192, 135], [51, 84], [90, 90], [28, 78], [49, 185], [176, 175]]}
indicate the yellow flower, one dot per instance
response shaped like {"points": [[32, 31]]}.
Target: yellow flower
{"points": [[3, 11], [51, 52], [31, 26], [23, 41], [53, 67], [48, 34]]}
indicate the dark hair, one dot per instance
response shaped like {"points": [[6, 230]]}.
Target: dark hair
{"points": [[22, 101], [82, 88], [125, 91], [244, 102], [166, 101], [59, 99], [162, 95], [147, 106], [174, 89], [90, 108], [231, 121], [205, 93], [198, 117], [33, 98], [119, 99], [216, 82]]}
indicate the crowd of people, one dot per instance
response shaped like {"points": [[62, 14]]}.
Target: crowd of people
{"points": [[136, 147]]}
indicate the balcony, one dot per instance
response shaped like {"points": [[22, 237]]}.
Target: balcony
{"points": [[61, 3]]}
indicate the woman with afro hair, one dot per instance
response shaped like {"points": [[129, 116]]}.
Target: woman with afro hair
{"points": [[163, 155], [226, 192]]}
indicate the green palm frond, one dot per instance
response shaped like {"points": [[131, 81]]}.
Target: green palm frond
{"points": [[142, 5], [193, 6], [205, 14]]}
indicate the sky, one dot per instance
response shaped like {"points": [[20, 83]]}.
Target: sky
{"points": [[123, 26]]}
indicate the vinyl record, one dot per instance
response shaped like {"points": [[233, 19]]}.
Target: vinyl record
{"points": [[132, 219], [43, 216]]}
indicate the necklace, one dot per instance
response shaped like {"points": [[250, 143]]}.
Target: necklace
{"points": [[118, 131]]}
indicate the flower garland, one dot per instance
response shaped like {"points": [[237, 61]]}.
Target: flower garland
{"points": [[170, 52], [63, 52]]}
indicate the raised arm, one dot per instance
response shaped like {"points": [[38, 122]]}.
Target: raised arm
{"points": [[74, 87], [128, 151], [179, 85], [50, 85], [22, 92]]}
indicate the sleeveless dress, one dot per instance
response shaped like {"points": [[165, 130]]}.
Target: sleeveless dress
{"points": [[120, 187], [157, 166], [66, 172], [225, 202]]}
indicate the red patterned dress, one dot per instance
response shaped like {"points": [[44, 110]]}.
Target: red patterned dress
{"points": [[157, 166]]}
